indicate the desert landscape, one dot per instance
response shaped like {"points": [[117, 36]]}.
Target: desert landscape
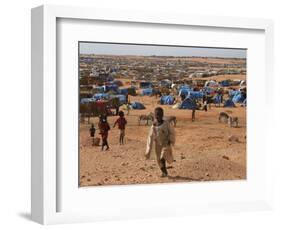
{"points": [[205, 149]]}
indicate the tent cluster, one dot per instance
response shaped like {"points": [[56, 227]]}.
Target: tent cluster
{"points": [[190, 96], [109, 91], [236, 96]]}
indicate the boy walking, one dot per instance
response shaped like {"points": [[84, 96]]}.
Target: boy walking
{"points": [[121, 122], [104, 128], [163, 134]]}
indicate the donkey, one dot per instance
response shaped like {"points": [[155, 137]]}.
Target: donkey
{"points": [[149, 117]]}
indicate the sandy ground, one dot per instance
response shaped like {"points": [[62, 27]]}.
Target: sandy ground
{"points": [[202, 151], [224, 77]]}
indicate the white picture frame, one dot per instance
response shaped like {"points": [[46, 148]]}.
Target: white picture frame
{"points": [[45, 90]]}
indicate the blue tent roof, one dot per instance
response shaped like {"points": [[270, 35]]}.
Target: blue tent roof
{"points": [[188, 103], [112, 87], [229, 103], [217, 99], [145, 84], [195, 94], [191, 94], [184, 91], [167, 100], [87, 100], [137, 105], [237, 96], [147, 91], [184, 87], [233, 93], [123, 91], [225, 83], [99, 96]]}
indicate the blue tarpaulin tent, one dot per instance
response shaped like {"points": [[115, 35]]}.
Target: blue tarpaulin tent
{"points": [[229, 103], [167, 100], [123, 91], [191, 94], [237, 96], [195, 94], [225, 83], [112, 87], [233, 93], [87, 100], [188, 103], [184, 91], [99, 96], [218, 99], [137, 105], [147, 91], [184, 87], [145, 84]]}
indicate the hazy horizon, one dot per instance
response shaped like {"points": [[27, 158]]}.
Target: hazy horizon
{"points": [[159, 50]]}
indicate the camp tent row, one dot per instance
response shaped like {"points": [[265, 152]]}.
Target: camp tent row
{"points": [[114, 89]]}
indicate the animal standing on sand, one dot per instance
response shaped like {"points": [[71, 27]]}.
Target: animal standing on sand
{"points": [[146, 118], [223, 117], [230, 120], [233, 121]]}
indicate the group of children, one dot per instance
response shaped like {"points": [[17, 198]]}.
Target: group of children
{"points": [[104, 128], [161, 134]]}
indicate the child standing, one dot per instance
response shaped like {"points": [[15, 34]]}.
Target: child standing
{"points": [[92, 132], [121, 121], [104, 128], [163, 134], [128, 108]]}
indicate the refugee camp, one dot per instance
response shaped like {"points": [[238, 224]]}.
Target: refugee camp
{"points": [[161, 114]]}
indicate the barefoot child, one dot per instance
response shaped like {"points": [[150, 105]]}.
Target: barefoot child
{"points": [[104, 128], [164, 136], [92, 132], [121, 121]]}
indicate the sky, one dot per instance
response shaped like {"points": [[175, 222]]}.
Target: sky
{"points": [[149, 50]]}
